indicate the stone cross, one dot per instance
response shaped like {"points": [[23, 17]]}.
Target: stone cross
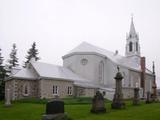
{"points": [[8, 99], [118, 102]]}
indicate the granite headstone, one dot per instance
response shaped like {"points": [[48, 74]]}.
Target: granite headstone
{"points": [[55, 111], [98, 105]]}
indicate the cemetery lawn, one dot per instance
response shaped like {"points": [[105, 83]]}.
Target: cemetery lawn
{"points": [[34, 111]]}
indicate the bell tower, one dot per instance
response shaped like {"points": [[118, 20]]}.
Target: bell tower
{"points": [[132, 45]]}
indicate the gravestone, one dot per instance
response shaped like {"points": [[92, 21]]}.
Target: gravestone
{"points": [[55, 107], [98, 105], [7, 98], [118, 101], [148, 100], [136, 99], [55, 111], [154, 87]]}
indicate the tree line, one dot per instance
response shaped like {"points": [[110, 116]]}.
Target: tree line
{"points": [[13, 62]]}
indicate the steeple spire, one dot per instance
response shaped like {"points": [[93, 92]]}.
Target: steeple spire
{"points": [[132, 31]]}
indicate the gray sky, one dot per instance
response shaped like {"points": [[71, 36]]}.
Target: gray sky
{"points": [[57, 26]]}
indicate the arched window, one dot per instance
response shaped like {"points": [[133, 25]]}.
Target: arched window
{"points": [[101, 72], [130, 35], [130, 46], [136, 46]]}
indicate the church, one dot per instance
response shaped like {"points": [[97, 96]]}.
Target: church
{"points": [[86, 69]]}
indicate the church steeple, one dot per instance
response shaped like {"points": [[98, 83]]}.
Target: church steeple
{"points": [[132, 45], [132, 28]]}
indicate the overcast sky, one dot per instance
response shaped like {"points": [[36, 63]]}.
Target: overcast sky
{"points": [[57, 26]]}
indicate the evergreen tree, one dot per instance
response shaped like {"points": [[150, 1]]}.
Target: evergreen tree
{"points": [[32, 53], [2, 77], [13, 61]]}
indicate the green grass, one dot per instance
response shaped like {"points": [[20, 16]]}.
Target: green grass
{"points": [[67, 101], [34, 111]]}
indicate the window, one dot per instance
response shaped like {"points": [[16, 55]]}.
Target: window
{"points": [[101, 72], [55, 89], [25, 89], [130, 35], [136, 46], [69, 90], [84, 61], [130, 46]]}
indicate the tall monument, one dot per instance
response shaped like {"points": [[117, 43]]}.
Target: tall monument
{"points": [[118, 102]]}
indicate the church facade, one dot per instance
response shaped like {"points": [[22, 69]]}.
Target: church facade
{"points": [[86, 69]]}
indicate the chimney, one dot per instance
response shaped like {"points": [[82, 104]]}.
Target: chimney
{"points": [[143, 69], [143, 64]]}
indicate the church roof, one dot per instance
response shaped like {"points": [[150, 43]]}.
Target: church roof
{"points": [[46, 70], [24, 73], [85, 47], [37, 70]]}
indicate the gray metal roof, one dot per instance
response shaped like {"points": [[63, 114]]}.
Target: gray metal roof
{"points": [[120, 60], [42, 70], [46, 70]]}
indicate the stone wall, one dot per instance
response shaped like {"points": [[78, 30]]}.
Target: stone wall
{"points": [[84, 92], [90, 92], [10, 84], [17, 88], [46, 88], [128, 92], [32, 88]]}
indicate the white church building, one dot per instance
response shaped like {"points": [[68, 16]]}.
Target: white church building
{"points": [[86, 69]]}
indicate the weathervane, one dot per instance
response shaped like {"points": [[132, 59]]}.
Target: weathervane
{"points": [[118, 68], [132, 16]]}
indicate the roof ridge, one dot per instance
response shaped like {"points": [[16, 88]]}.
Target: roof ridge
{"points": [[47, 63], [100, 50]]}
